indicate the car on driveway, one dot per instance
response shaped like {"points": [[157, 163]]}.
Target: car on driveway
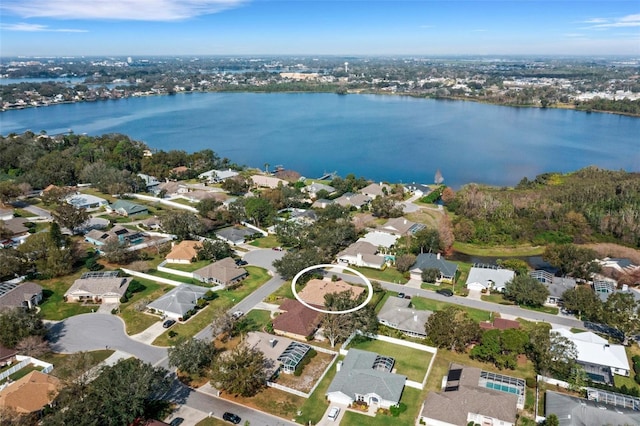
{"points": [[241, 262], [445, 292], [237, 314], [176, 422], [230, 417], [168, 323], [277, 248], [333, 413], [401, 295]]}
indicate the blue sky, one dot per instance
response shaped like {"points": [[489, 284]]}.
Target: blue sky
{"points": [[312, 27]]}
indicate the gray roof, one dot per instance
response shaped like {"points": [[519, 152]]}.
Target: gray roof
{"points": [[99, 286], [574, 411], [234, 234], [401, 226], [559, 285], [14, 295], [498, 277], [223, 271], [357, 376], [396, 313], [432, 260], [129, 207], [180, 300]]}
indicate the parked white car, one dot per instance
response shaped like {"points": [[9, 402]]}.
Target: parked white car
{"points": [[333, 413]]}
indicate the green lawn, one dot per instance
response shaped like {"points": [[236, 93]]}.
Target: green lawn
{"points": [[546, 309], [314, 407], [412, 398], [194, 266], [413, 363], [59, 360], [226, 299], [23, 372], [435, 305], [259, 317], [23, 213], [284, 292], [265, 242], [496, 298], [388, 274], [497, 251], [175, 277], [138, 321], [54, 307]]}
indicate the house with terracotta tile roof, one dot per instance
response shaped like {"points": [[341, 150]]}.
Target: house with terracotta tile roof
{"points": [[223, 272], [183, 252], [499, 324], [314, 291], [31, 393], [296, 320]]}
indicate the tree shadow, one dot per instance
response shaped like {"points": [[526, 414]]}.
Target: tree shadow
{"points": [[56, 332]]}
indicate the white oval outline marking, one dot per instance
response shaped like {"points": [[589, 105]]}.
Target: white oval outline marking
{"points": [[325, 265]]}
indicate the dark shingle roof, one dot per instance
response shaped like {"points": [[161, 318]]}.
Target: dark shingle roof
{"points": [[432, 260]]}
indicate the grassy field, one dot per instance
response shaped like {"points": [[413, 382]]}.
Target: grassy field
{"points": [[413, 363], [388, 274], [265, 242], [175, 277], [135, 320], [412, 398], [226, 299], [435, 305], [505, 251], [60, 361], [194, 266]]}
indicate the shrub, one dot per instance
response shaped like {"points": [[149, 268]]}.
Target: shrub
{"points": [[114, 311], [135, 287], [531, 382], [172, 334], [124, 299], [395, 410]]}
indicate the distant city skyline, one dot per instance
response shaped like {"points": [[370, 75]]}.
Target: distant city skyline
{"points": [[311, 27]]}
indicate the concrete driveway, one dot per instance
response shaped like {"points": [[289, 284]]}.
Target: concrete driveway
{"points": [[90, 332], [150, 334]]}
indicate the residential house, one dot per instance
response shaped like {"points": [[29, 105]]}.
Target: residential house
{"points": [[296, 320], [418, 189], [172, 188], [24, 295], [16, 230], [376, 190], [6, 214], [223, 272], [620, 264], [284, 354], [604, 286], [124, 236], [397, 314], [177, 302], [126, 208], [313, 189], [234, 234], [350, 199], [7, 356], [401, 226], [314, 291], [30, 393], [262, 181], [86, 201], [573, 411], [362, 254], [183, 252], [366, 377], [217, 176], [321, 203], [98, 287], [153, 223], [179, 171], [304, 216], [380, 239], [151, 182], [556, 285], [472, 396], [599, 358], [433, 261], [489, 278], [499, 324]]}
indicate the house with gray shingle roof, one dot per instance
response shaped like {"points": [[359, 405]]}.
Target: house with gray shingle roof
{"points": [[313, 189], [350, 199], [367, 377], [223, 272], [574, 411], [24, 295], [234, 234], [396, 313], [126, 208], [177, 302], [105, 289], [363, 254], [489, 278], [433, 261], [401, 226]]}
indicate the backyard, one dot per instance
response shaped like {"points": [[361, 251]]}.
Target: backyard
{"points": [[435, 305], [413, 363]]}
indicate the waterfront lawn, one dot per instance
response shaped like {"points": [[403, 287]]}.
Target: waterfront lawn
{"points": [[413, 363], [436, 305], [226, 299], [411, 397]]}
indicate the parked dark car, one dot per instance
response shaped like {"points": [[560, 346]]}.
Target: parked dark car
{"points": [[406, 296], [241, 262], [445, 292], [401, 295], [176, 422], [168, 323], [230, 417]]}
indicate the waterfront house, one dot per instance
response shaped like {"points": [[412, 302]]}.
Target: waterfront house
{"points": [[433, 261], [556, 285], [271, 182], [488, 278], [376, 190]]}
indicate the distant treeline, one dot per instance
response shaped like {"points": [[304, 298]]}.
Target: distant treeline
{"points": [[623, 106], [588, 205]]}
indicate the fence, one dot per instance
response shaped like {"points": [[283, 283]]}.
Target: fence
{"points": [[161, 268], [255, 228], [163, 201], [288, 389], [23, 361]]}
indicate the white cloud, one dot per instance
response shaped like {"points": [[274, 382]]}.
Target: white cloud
{"points": [[23, 26], [138, 10], [623, 22], [573, 35]]}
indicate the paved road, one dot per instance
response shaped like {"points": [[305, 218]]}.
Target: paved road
{"points": [[33, 209], [89, 332]]}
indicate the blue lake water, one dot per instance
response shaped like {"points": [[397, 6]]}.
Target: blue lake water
{"points": [[384, 138]]}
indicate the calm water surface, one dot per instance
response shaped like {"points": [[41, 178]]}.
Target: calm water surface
{"points": [[391, 138]]}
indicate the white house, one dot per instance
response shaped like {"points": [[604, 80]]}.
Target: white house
{"points": [[489, 279], [177, 302], [86, 201], [362, 253]]}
